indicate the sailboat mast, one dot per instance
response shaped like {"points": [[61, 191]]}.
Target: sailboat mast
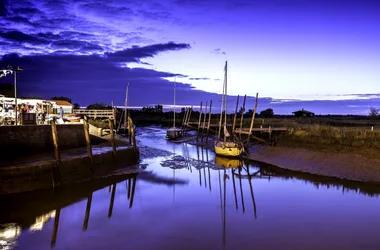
{"points": [[125, 108], [175, 79], [225, 101], [221, 113]]}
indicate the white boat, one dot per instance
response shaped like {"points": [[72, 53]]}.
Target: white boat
{"points": [[224, 147], [173, 132]]}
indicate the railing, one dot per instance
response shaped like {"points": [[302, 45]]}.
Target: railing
{"points": [[96, 113]]}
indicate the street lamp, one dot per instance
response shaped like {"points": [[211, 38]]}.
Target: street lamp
{"points": [[11, 69]]}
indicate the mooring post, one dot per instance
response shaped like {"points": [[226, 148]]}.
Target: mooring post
{"points": [[270, 134], [110, 209], [55, 227], [56, 178], [184, 120], [133, 191], [204, 121], [87, 215], [199, 121], [253, 116], [114, 113], [236, 110], [242, 116], [209, 121], [88, 139], [189, 117], [110, 124], [133, 134], [184, 117]]}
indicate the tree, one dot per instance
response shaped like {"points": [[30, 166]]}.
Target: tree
{"points": [[61, 98], [267, 113], [76, 106], [241, 110], [158, 109], [99, 106], [373, 112]]}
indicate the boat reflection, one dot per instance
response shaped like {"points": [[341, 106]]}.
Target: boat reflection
{"points": [[228, 162]]}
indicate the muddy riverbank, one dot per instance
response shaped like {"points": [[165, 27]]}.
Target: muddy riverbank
{"points": [[346, 163]]}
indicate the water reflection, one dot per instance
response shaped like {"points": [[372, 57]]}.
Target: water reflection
{"points": [[191, 199], [10, 232], [131, 181], [8, 235]]}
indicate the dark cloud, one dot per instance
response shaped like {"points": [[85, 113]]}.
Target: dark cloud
{"points": [[218, 51], [135, 53], [3, 9], [20, 37], [81, 46], [365, 95], [199, 78], [93, 78]]}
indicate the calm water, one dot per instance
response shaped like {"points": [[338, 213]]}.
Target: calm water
{"points": [[184, 200]]}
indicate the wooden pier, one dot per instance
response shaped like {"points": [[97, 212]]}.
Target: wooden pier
{"points": [[96, 113], [203, 124]]}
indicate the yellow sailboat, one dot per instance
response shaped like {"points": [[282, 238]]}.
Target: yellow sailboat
{"points": [[224, 147]]}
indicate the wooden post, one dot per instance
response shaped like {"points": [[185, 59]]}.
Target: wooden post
{"points": [[114, 114], [110, 123], [55, 227], [199, 121], [209, 121], [88, 139], [184, 117], [56, 178], [110, 209], [253, 116], [242, 116], [184, 120], [270, 134], [133, 192], [189, 118], [236, 110], [133, 135], [87, 215], [204, 121], [129, 131]]}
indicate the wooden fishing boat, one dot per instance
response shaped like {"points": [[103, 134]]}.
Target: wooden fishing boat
{"points": [[224, 147]]}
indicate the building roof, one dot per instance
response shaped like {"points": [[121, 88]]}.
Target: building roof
{"points": [[62, 103], [303, 111]]}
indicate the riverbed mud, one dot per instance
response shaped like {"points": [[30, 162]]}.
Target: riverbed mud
{"points": [[349, 163], [349, 166]]}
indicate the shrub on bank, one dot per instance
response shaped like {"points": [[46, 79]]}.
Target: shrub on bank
{"points": [[330, 135]]}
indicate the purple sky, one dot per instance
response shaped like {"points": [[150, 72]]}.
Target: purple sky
{"points": [[323, 56]]}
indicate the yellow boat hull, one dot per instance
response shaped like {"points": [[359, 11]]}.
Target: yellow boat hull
{"points": [[228, 149]]}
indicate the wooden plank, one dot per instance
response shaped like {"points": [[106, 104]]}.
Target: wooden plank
{"points": [[246, 130]]}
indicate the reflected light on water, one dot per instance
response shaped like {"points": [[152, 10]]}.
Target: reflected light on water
{"points": [[41, 221], [191, 199], [8, 235]]}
